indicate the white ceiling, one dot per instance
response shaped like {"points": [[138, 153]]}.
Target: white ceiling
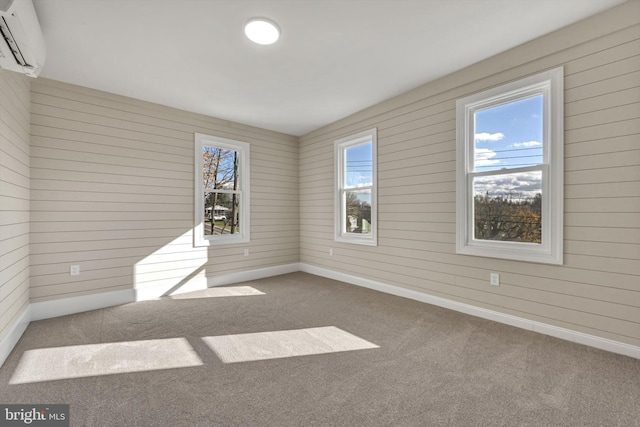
{"points": [[334, 58]]}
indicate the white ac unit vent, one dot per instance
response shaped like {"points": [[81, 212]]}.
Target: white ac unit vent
{"points": [[22, 46]]}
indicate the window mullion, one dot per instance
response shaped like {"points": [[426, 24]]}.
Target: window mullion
{"points": [[508, 171]]}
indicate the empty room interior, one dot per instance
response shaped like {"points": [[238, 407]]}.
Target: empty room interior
{"points": [[355, 212]]}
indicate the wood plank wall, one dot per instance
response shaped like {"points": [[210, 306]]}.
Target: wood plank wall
{"points": [[597, 290], [14, 197], [112, 191]]}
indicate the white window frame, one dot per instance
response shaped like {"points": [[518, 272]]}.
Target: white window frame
{"points": [[550, 251], [340, 147], [243, 150]]}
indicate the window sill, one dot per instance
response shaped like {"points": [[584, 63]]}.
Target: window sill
{"points": [[514, 252], [367, 241]]}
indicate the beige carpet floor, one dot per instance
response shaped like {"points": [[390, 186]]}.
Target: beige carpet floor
{"points": [[300, 350]]}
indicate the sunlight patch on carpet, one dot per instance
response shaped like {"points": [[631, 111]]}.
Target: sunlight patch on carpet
{"points": [[77, 361], [234, 291], [280, 344]]}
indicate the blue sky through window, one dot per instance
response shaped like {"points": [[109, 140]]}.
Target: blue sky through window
{"points": [[225, 170], [509, 136], [359, 172]]}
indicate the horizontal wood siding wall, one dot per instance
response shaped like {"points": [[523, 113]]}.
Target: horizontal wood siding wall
{"points": [[597, 290], [14, 197], [112, 191]]}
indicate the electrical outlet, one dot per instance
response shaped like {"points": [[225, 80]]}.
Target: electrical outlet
{"points": [[74, 270], [246, 252], [495, 279], [330, 251]]}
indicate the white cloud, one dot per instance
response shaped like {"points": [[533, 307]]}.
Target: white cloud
{"points": [[484, 136], [484, 157], [355, 179], [528, 184], [527, 144]]}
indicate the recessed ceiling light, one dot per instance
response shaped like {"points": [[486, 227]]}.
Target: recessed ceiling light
{"points": [[262, 31]]}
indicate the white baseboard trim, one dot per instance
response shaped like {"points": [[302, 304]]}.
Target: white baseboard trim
{"points": [[245, 276], [543, 328], [155, 292], [16, 330], [65, 306]]}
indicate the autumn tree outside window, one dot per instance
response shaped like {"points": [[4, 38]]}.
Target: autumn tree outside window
{"points": [[221, 191]]}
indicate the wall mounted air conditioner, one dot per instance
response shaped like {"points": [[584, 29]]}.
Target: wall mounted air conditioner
{"points": [[21, 41]]}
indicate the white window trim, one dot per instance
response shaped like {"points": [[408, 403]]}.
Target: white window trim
{"points": [[550, 84], [199, 239], [340, 227]]}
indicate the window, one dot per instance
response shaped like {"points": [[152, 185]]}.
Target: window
{"points": [[355, 205], [509, 170], [221, 191]]}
